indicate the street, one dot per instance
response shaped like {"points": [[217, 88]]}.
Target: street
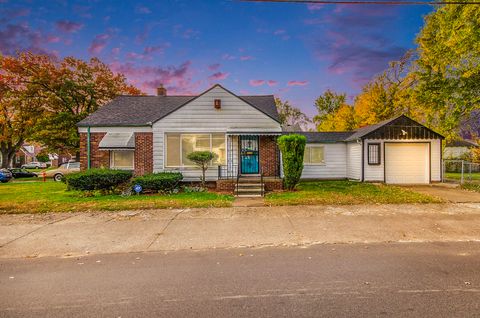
{"points": [[329, 280]]}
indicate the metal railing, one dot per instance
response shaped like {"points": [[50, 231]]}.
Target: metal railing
{"points": [[227, 172], [460, 171]]}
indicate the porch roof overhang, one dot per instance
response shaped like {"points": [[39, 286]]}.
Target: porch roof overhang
{"points": [[117, 141]]}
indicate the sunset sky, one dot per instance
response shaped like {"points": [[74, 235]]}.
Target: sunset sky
{"points": [[294, 51]]}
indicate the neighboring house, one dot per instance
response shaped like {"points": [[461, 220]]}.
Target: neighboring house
{"points": [[155, 133], [26, 154], [459, 149]]}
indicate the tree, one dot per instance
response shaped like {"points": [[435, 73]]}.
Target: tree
{"points": [[291, 115], [72, 89], [293, 149], [20, 107], [449, 66], [202, 159], [328, 103]]}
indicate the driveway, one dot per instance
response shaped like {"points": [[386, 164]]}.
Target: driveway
{"points": [[448, 192], [76, 234]]}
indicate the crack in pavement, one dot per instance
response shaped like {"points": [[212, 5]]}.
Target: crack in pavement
{"points": [[35, 230], [164, 228]]}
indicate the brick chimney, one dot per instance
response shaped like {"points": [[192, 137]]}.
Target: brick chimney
{"points": [[161, 91]]}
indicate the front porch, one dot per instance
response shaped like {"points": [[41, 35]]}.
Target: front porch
{"points": [[253, 160]]}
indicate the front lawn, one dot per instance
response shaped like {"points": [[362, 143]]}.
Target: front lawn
{"points": [[38, 197], [346, 192], [474, 176]]}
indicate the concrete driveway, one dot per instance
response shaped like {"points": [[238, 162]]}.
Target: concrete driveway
{"points": [[75, 234], [448, 192]]}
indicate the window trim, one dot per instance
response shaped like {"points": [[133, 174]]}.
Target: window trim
{"points": [[379, 154], [323, 163], [181, 134], [112, 160]]}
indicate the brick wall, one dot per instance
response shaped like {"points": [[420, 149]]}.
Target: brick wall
{"points": [[143, 153], [98, 158], [269, 158]]}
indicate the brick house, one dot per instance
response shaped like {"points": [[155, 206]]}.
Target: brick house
{"points": [[156, 133]]}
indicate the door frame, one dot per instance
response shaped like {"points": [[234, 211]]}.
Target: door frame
{"points": [[429, 144], [240, 154]]}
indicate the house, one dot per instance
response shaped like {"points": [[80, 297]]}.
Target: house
{"points": [[458, 149], [155, 133]]}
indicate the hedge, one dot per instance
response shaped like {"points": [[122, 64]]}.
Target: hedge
{"points": [[293, 149], [160, 182], [97, 179]]}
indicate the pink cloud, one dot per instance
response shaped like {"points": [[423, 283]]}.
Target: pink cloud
{"points": [[246, 58], [257, 82], [53, 39], [19, 37], [99, 43], [214, 67], [272, 83], [297, 83], [218, 76], [148, 52], [177, 79], [314, 6], [68, 26]]}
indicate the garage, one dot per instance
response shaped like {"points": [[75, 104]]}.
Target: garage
{"points": [[407, 163]]}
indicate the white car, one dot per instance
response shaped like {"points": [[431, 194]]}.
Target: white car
{"points": [[34, 165]]}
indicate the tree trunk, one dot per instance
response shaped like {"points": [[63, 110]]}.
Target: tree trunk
{"points": [[203, 177], [5, 161]]}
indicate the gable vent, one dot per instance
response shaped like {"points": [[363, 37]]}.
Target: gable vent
{"points": [[217, 103]]}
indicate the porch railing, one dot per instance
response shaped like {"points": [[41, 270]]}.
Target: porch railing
{"points": [[227, 172]]}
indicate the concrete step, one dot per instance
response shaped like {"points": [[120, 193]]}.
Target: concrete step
{"points": [[249, 190], [249, 195], [249, 185]]}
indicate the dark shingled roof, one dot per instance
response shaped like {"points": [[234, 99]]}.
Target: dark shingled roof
{"points": [[330, 136], [145, 110], [360, 132], [463, 143]]}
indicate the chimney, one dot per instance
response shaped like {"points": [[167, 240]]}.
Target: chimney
{"points": [[161, 91]]}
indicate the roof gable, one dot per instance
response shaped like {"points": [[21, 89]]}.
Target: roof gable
{"points": [[146, 110]]}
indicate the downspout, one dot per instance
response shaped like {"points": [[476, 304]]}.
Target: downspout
{"points": [[88, 148], [363, 161]]}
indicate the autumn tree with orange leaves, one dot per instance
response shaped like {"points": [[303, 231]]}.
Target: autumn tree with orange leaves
{"points": [[63, 92]]}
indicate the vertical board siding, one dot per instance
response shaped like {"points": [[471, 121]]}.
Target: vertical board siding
{"points": [[354, 160], [200, 116], [335, 166]]}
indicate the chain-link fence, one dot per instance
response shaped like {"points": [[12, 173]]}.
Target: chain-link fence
{"points": [[461, 171]]}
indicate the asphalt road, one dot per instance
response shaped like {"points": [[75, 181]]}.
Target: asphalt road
{"points": [[374, 280]]}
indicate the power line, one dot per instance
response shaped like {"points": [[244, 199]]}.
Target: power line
{"points": [[375, 2]]}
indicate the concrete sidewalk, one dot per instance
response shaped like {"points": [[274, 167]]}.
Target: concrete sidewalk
{"points": [[75, 234]]}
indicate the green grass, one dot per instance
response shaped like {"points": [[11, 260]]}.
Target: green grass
{"points": [[38, 197], [471, 186], [346, 192], [475, 176]]}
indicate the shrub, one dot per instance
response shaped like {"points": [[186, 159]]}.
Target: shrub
{"points": [[202, 159], [292, 148], [97, 179], [160, 182]]}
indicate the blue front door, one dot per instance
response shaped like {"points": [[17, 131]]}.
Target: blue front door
{"points": [[249, 154]]}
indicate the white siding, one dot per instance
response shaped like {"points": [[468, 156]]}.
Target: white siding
{"points": [[126, 129], [354, 160], [376, 172], [335, 166], [200, 116]]}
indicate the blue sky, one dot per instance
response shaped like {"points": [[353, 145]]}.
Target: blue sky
{"points": [[294, 51]]}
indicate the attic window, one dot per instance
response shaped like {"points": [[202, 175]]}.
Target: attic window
{"points": [[217, 103]]}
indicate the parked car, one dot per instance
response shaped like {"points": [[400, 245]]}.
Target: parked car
{"points": [[34, 165], [64, 169], [5, 175], [22, 173]]}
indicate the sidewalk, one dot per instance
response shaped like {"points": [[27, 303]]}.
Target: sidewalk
{"points": [[75, 234]]}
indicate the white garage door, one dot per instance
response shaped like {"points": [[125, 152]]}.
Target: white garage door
{"points": [[407, 163]]}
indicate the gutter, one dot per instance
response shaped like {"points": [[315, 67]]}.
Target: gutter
{"points": [[88, 148]]}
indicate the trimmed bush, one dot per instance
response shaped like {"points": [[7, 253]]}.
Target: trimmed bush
{"points": [[97, 179], [159, 182], [293, 149], [202, 159]]}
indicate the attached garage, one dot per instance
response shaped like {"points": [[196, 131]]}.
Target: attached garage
{"points": [[407, 163]]}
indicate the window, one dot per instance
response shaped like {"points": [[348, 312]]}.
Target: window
{"points": [[121, 160], [180, 145], [314, 155], [374, 154]]}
